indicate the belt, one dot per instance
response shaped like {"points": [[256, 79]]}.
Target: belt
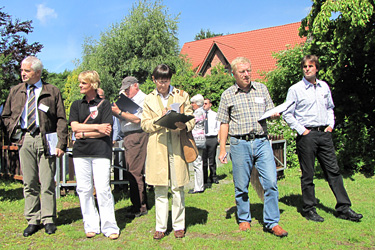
{"points": [[320, 128], [36, 132], [211, 136], [248, 137], [133, 132]]}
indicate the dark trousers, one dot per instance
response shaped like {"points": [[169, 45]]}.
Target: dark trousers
{"points": [[319, 144], [135, 145], [209, 159]]}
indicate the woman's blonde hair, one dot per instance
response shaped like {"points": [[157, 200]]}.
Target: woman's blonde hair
{"points": [[90, 76]]}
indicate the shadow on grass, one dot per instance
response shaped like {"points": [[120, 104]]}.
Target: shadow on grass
{"points": [[256, 210], [11, 195], [221, 177], [68, 216], [124, 193], [193, 216], [122, 219], [295, 200]]}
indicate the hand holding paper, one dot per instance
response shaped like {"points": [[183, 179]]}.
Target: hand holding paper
{"points": [[278, 109]]}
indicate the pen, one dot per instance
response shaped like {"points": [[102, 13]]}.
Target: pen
{"points": [[225, 156]]}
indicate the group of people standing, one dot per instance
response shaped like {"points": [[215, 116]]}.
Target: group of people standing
{"points": [[206, 138], [35, 109]]}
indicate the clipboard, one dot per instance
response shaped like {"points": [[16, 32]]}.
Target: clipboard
{"points": [[127, 105], [171, 117]]}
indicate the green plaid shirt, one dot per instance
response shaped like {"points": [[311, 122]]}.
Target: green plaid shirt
{"points": [[241, 110]]}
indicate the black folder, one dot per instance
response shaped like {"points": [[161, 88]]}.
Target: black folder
{"points": [[171, 117], [127, 105]]}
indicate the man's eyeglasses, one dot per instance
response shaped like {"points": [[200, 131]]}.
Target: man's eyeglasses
{"points": [[163, 81]]}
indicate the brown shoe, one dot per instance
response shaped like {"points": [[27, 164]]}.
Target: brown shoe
{"points": [[179, 234], [278, 231], [90, 235], [245, 226], [113, 236], [159, 235]]}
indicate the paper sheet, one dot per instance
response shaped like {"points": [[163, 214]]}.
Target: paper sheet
{"points": [[278, 109], [52, 142]]}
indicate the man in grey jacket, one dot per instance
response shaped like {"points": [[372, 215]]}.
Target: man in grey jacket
{"points": [[33, 110]]}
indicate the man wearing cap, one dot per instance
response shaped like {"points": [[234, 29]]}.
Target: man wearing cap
{"points": [[135, 144]]}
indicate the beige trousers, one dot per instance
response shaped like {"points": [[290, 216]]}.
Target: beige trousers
{"points": [[178, 200]]}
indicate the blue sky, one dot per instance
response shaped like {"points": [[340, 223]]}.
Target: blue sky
{"points": [[62, 26]]}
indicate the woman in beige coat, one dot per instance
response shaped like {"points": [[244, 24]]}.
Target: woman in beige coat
{"points": [[165, 161]]}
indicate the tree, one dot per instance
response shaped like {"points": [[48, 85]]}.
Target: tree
{"points": [[204, 34], [13, 49], [342, 34], [57, 79], [144, 39], [71, 90], [210, 86], [346, 46]]}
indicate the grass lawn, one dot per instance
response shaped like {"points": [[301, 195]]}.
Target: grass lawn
{"points": [[210, 220]]}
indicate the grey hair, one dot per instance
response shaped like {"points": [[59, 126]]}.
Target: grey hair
{"points": [[36, 64], [198, 99]]}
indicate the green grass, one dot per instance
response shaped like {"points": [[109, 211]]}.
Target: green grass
{"points": [[210, 220]]}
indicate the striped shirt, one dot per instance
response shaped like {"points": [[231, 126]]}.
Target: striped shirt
{"points": [[241, 110]]}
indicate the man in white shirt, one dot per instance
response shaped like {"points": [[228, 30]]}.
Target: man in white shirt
{"points": [[212, 127], [135, 144]]}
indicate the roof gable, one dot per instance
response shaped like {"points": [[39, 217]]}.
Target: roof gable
{"points": [[257, 45]]}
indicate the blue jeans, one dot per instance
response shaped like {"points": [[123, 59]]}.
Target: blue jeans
{"points": [[244, 155]]}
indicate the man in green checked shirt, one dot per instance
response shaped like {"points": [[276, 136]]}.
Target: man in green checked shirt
{"points": [[241, 106]]}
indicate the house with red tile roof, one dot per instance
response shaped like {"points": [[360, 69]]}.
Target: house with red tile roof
{"points": [[257, 45]]}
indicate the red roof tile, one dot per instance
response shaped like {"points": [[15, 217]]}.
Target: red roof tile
{"points": [[257, 45]]}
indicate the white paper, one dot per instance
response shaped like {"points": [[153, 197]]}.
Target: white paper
{"points": [[278, 109], [176, 107], [43, 107], [92, 109], [52, 142]]}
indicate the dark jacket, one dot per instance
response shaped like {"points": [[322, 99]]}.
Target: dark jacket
{"points": [[54, 120]]}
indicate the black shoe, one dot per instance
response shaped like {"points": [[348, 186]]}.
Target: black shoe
{"points": [[191, 191], [139, 214], [314, 216], [136, 214], [132, 212], [216, 181], [207, 185], [30, 230], [350, 215], [50, 228]]}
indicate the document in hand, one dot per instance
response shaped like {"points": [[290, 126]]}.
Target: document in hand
{"points": [[126, 104], [171, 117], [52, 142], [278, 109]]}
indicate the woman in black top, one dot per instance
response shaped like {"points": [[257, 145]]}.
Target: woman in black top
{"points": [[91, 121]]}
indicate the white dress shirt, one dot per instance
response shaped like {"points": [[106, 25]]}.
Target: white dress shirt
{"points": [[213, 124]]}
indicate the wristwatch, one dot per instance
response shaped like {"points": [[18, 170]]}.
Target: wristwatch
{"points": [[119, 114]]}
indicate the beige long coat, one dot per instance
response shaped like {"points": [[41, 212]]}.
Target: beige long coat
{"points": [[157, 166]]}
